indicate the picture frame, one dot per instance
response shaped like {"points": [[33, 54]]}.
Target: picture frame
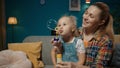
{"points": [[74, 5]]}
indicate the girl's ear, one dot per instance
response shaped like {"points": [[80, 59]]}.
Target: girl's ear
{"points": [[73, 28]]}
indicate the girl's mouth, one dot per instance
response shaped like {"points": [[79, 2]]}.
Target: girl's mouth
{"points": [[60, 31]]}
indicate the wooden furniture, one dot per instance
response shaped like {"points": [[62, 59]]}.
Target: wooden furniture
{"points": [[2, 26]]}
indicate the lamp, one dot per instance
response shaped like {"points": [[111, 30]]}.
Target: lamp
{"points": [[12, 21], [87, 1]]}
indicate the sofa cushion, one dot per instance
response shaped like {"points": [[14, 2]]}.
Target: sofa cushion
{"points": [[46, 47], [32, 49], [49, 66]]}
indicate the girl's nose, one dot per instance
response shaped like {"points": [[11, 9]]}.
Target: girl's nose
{"points": [[61, 27]]}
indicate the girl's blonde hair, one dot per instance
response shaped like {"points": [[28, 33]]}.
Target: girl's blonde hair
{"points": [[73, 20]]}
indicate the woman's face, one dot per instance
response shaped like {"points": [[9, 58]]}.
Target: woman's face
{"points": [[91, 18]]}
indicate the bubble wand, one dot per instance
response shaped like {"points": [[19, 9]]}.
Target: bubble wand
{"points": [[51, 25], [56, 38]]}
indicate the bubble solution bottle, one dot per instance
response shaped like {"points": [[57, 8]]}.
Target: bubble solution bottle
{"points": [[59, 56]]}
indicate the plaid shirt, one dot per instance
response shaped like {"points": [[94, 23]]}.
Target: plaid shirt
{"points": [[98, 51]]}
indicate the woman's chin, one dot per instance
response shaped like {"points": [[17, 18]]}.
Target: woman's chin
{"points": [[83, 26]]}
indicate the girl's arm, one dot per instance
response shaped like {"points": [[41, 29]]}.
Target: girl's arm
{"points": [[81, 57], [53, 56], [81, 52]]}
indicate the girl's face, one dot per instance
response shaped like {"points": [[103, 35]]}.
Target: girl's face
{"points": [[64, 26], [91, 18]]}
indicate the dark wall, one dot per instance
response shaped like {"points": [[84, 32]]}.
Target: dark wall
{"points": [[32, 16]]}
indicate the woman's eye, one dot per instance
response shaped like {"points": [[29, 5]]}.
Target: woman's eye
{"points": [[91, 16], [86, 12]]}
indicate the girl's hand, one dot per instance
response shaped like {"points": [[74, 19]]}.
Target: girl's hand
{"points": [[55, 43]]}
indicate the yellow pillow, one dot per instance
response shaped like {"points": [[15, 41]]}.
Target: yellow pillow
{"points": [[32, 49]]}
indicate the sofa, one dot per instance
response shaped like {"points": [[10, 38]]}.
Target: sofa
{"points": [[38, 50], [46, 50], [115, 62]]}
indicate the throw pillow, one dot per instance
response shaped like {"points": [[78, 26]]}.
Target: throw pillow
{"points": [[32, 49]]}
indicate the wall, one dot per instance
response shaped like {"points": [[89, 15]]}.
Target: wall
{"points": [[32, 16]]}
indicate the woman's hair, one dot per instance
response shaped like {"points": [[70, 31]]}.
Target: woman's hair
{"points": [[107, 27], [104, 15]]}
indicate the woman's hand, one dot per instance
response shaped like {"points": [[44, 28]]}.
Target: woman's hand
{"points": [[70, 65], [65, 65]]}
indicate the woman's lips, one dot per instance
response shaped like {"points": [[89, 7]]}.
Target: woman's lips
{"points": [[85, 22]]}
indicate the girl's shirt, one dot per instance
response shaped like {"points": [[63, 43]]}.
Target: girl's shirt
{"points": [[98, 51], [71, 50]]}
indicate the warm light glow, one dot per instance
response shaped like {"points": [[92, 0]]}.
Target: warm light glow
{"points": [[12, 20], [87, 1]]}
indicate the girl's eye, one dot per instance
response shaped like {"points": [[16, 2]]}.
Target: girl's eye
{"points": [[64, 24], [58, 25]]}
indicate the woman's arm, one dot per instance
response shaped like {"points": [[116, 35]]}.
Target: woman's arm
{"points": [[70, 65]]}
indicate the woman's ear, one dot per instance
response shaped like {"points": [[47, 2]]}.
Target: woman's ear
{"points": [[102, 22]]}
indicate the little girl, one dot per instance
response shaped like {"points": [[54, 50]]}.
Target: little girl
{"points": [[72, 47]]}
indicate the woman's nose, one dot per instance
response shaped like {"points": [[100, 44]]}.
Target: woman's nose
{"points": [[85, 17]]}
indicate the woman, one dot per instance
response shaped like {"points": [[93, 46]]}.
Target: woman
{"points": [[97, 34]]}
